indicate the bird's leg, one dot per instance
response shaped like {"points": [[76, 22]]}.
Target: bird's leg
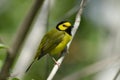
{"points": [[67, 51], [55, 61]]}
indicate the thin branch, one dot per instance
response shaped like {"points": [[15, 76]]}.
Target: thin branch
{"points": [[76, 25], [56, 67], [18, 41], [117, 75]]}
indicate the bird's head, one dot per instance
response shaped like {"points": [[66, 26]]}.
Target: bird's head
{"points": [[64, 25]]}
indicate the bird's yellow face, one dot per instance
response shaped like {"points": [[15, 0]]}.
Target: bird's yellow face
{"points": [[64, 25]]}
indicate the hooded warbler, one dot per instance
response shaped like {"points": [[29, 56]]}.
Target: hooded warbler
{"points": [[54, 41]]}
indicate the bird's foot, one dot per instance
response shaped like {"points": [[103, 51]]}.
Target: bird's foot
{"points": [[56, 63]]}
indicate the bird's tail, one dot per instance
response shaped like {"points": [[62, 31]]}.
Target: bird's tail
{"points": [[36, 58], [29, 66]]}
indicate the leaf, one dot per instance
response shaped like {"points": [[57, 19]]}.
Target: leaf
{"points": [[2, 46], [15, 79]]}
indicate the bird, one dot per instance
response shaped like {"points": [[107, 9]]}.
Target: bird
{"points": [[54, 42]]}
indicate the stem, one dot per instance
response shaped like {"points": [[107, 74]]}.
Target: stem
{"points": [[18, 41], [117, 74], [76, 25]]}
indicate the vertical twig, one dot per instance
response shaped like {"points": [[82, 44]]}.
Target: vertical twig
{"points": [[20, 37], [76, 25]]}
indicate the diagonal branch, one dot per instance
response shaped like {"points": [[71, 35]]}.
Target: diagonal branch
{"points": [[117, 75], [18, 41], [76, 25]]}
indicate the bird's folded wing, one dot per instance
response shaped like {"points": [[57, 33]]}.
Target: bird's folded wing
{"points": [[49, 42]]}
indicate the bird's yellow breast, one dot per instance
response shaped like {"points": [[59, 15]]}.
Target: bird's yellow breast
{"points": [[61, 45]]}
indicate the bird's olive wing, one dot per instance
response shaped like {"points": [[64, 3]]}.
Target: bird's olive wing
{"points": [[49, 42], [52, 42]]}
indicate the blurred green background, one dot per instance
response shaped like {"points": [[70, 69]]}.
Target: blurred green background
{"points": [[84, 48]]}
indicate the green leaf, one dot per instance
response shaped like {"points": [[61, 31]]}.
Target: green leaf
{"points": [[15, 79], [2, 46]]}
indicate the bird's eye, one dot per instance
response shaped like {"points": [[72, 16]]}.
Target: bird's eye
{"points": [[64, 25]]}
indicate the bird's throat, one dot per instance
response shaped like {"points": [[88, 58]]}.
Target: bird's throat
{"points": [[68, 31]]}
